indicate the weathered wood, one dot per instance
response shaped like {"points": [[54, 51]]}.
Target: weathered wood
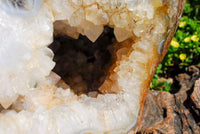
{"points": [[166, 113]]}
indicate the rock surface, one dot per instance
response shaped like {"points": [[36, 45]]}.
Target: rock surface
{"points": [[173, 113]]}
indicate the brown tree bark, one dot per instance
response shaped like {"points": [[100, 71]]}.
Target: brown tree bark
{"points": [[178, 113]]}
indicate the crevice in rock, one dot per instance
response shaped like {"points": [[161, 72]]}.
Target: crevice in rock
{"points": [[189, 104], [164, 112]]}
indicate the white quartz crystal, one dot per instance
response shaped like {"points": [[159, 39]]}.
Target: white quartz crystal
{"points": [[25, 60]]}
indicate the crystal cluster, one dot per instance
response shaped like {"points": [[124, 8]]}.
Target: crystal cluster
{"points": [[90, 16], [30, 98]]}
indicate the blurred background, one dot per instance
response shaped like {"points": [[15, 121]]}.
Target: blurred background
{"points": [[184, 51]]}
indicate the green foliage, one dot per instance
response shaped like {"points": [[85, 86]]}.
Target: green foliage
{"points": [[156, 84], [185, 47]]}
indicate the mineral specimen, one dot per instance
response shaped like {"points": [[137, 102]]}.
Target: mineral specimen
{"points": [[30, 96]]}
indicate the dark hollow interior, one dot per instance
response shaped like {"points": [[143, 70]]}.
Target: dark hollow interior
{"points": [[81, 63]]}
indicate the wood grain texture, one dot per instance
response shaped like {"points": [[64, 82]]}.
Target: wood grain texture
{"points": [[179, 113]]}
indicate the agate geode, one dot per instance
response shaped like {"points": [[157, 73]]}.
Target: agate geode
{"points": [[31, 98]]}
